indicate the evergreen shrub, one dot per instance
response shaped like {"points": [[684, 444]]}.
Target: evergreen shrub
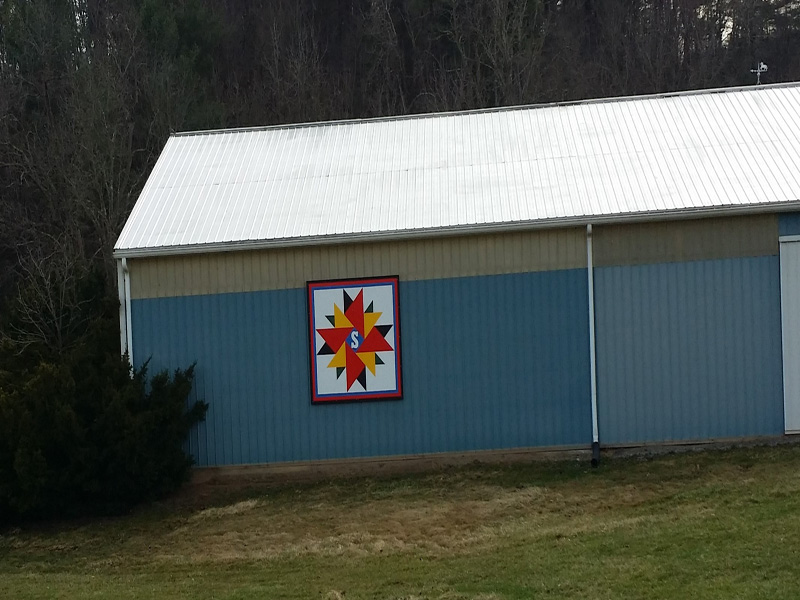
{"points": [[84, 434]]}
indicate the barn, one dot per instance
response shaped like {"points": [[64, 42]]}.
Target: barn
{"points": [[604, 273]]}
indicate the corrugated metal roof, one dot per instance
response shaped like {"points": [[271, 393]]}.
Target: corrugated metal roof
{"points": [[606, 160]]}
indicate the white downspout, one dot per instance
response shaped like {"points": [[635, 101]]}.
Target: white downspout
{"points": [[592, 350], [124, 284], [123, 318]]}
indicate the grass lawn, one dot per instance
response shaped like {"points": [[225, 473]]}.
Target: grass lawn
{"points": [[717, 524]]}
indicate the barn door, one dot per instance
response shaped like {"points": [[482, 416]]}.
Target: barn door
{"points": [[790, 318]]}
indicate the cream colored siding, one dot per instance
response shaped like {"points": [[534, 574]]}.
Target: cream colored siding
{"points": [[433, 258], [688, 240]]}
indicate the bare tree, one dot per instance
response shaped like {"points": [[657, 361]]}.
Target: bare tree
{"points": [[52, 307], [498, 47]]}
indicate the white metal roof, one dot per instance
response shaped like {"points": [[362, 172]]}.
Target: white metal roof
{"points": [[717, 151]]}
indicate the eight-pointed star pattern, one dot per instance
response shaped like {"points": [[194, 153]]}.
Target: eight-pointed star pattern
{"points": [[354, 339]]}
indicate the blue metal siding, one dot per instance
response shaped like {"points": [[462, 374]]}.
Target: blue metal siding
{"points": [[488, 362], [789, 224], [689, 351]]}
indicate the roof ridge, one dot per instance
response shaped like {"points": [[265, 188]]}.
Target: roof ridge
{"points": [[497, 109]]}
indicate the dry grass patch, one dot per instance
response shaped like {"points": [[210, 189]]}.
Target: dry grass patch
{"points": [[712, 525], [258, 530]]}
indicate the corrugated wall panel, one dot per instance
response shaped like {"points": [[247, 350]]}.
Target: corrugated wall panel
{"points": [[488, 362], [789, 224], [685, 240], [434, 258], [790, 301], [689, 351]]}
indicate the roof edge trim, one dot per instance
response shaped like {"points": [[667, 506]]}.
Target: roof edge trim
{"points": [[460, 230], [475, 111]]}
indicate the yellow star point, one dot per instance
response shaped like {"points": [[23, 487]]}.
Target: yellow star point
{"points": [[369, 321], [339, 359], [368, 358], [339, 320]]}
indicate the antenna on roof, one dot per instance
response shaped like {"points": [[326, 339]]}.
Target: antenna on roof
{"points": [[761, 68]]}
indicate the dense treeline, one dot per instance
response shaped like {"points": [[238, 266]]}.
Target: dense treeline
{"points": [[90, 90]]}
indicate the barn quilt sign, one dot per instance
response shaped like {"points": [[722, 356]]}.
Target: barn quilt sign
{"points": [[355, 339]]}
